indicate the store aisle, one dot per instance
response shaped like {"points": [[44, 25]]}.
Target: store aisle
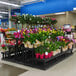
{"points": [[66, 67], [6, 70]]}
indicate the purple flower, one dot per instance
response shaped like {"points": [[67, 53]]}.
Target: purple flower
{"points": [[27, 31]]}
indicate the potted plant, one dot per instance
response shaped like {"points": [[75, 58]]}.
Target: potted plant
{"points": [[46, 55], [70, 45], [37, 54], [50, 54], [41, 52], [64, 46], [4, 47]]}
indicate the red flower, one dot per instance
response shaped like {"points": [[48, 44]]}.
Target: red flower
{"points": [[3, 45]]}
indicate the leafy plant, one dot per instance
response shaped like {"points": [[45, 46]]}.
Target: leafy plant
{"points": [[4, 46]]}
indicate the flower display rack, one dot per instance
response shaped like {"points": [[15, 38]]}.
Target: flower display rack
{"points": [[26, 56]]}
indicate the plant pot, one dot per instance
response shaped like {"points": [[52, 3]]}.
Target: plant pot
{"points": [[37, 55], [46, 56], [55, 53], [70, 46], [58, 50], [50, 54], [25, 45], [35, 46], [42, 56], [65, 48], [30, 46], [71, 43], [3, 50]]}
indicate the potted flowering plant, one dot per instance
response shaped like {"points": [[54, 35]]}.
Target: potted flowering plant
{"points": [[50, 53], [37, 54], [42, 51], [70, 45], [41, 54], [3, 47], [64, 46]]}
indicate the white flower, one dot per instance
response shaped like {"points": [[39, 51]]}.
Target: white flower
{"points": [[18, 21], [46, 53], [37, 21], [49, 37], [30, 19], [24, 15]]}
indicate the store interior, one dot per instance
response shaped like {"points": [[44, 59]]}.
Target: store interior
{"points": [[37, 37]]}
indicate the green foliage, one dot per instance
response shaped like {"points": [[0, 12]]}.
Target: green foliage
{"points": [[53, 22], [14, 19], [42, 36], [56, 33], [40, 49], [32, 20], [30, 37], [5, 48]]}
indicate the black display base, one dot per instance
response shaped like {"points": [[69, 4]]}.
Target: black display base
{"points": [[42, 64]]}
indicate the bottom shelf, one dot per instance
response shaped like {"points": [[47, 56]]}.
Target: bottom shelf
{"points": [[40, 64]]}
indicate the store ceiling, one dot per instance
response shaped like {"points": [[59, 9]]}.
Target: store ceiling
{"points": [[4, 7]]}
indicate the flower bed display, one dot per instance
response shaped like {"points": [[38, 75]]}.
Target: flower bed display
{"points": [[35, 46], [47, 42]]}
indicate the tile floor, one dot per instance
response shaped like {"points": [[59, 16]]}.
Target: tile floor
{"points": [[7, 70], [66, 67]]}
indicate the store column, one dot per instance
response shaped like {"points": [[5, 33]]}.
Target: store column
{"points": [[67, 17], [9, 18]]}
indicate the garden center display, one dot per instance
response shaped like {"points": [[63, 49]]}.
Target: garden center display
{"points": [[37, 46]]}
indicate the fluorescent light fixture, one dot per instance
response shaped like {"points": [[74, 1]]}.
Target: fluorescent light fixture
{"points": [[6, 3], [3, 12], [59, 13], [30, 1], [74, 8], [1, 16]]}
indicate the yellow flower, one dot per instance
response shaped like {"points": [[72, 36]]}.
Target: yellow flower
{"points": [[63, 39], [43, 31], [39, 32], [30, 29], [39, 28], [23, 32]]}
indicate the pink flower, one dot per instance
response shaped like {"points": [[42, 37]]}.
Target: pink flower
{"points": [[60, 37], [16, 36], [35, 29], [53, 19], [22, 36], [27, 31], [42, 16], [44, 29], [15, 33], [14, 15]]}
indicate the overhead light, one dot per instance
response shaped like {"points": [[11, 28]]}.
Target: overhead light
{"points": [[1, 16], [4, 12], [6, 3], [74, 8], [30, 1]]}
